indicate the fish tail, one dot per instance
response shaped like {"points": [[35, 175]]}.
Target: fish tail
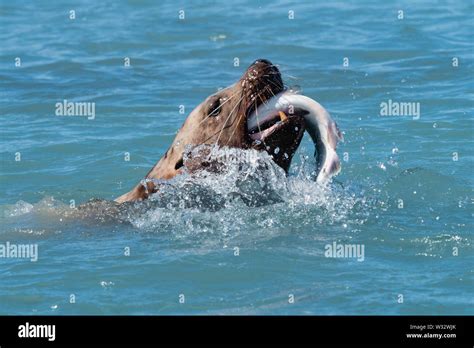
{"points": [[331, 166]]}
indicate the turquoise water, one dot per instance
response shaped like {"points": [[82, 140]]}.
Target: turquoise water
{"points": [[224, 256]]}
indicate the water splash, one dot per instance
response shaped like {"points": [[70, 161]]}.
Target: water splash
{"points": [[248, 196]]}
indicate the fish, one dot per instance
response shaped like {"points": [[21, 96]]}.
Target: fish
{"points": [[322, 129]]}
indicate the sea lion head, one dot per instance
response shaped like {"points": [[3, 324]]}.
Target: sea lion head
{"points": [[221, 120]]}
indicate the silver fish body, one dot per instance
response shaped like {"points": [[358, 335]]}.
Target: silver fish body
{"points": [[319, 125]]}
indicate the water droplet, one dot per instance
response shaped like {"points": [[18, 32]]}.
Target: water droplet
{"points": [[105, 284], [295, 89], [277, 149], [395, 150]]}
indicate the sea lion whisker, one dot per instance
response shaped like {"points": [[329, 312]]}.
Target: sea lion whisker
{"points": [[235, 128], [258, 121], [213, 135], [292, 77], [263, 101], [274, 84], [228, 117], [238, 122], [270, 90], [281, 70]]}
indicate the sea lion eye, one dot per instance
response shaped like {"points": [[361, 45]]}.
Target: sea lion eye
{"points": [[214, 107]]}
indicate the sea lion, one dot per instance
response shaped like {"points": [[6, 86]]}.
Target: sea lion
{"points": [[221, 121]]}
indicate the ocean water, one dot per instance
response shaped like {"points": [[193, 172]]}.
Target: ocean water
{"points": [[405, 193]]}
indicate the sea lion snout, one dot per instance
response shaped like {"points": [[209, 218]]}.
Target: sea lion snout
{"points": [[266, 67], [262, 80]]}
